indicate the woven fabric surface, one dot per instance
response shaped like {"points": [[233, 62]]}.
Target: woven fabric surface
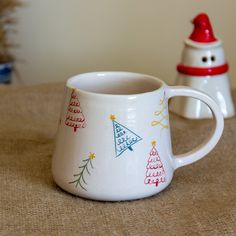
{"points": [[201, 199]]}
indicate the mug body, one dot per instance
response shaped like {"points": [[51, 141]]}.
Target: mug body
{"points": [[113, 140]]}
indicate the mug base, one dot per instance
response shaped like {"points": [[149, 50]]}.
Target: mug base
{"points": [[109, 198]]}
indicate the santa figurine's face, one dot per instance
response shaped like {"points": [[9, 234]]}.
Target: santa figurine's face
{"points": [[203, 57]]}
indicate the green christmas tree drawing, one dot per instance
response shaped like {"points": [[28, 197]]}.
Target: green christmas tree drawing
{"points": [[84, 170], [124, 138]]}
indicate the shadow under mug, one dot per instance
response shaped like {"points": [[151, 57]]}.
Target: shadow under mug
{"points": [[114, 141]]}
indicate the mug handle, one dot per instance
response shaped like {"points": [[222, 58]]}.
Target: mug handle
{"points": [[202, 150]]}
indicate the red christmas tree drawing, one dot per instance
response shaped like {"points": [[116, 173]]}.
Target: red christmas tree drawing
{"points": [[74, 116], [155, 173]]}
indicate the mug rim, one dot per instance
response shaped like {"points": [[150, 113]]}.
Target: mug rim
{"points": [[97, 94]]}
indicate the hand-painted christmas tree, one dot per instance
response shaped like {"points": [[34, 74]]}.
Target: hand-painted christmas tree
{"points": [[74, 116], [80, 179], [124, 138], [162, 115], [155, 173]]}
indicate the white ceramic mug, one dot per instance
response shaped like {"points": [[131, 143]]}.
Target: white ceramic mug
{"points": [[114, 139]]}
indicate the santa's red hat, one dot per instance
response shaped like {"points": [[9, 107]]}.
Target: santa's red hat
{"points": [[202, 37], [202, 32]]}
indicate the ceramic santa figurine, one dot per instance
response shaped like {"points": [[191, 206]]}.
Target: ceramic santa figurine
{"points": [[203, 67]]}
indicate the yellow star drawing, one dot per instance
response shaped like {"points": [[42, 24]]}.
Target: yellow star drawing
{"points": [[91, 155], [112, 117]]}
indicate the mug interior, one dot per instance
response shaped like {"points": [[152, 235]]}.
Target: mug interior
{"points": [[116, 83]]}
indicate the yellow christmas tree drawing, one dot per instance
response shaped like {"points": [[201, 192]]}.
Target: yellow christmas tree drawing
{"points": [[162, 116]]}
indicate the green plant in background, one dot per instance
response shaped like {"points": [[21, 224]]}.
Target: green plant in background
{"points": [[7, 21]]}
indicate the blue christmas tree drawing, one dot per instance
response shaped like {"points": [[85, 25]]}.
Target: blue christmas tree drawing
{"points": [[124, 138]]}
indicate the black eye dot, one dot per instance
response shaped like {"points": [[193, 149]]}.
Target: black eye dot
{"points": [[213, 58], [204, 59]]}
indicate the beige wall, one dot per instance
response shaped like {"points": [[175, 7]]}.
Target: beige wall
{"points": [[60, 38]]}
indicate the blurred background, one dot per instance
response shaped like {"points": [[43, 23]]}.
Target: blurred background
{"points": [[61, 38]]}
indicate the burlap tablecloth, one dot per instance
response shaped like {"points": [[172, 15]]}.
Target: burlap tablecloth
{"points": [[201, 200]]}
